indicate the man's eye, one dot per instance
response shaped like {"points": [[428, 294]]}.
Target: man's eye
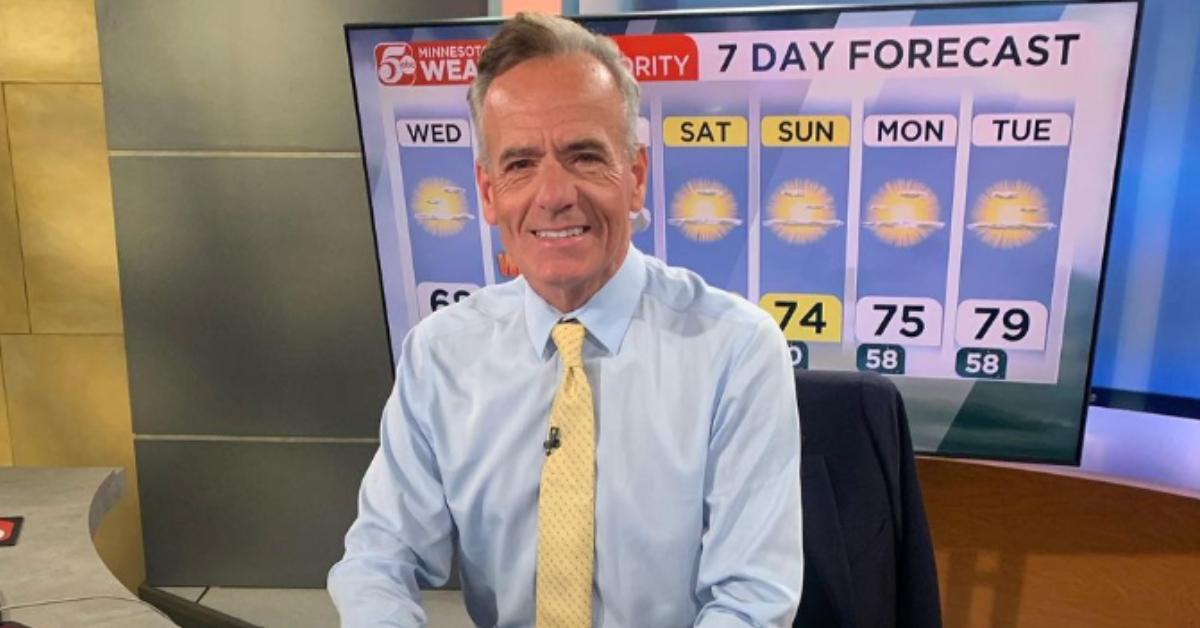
{"points": [[589, 158], [519, 164]]}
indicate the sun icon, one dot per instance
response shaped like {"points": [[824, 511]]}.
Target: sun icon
{"points": [[903, 213], [801, 211], [440, 206], [1010, 214], [704, 210]]}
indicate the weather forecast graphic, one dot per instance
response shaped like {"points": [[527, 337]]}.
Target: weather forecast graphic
{"points": [[802, 211], [704, 210], [919, 192], [1010, 214], [440, 206], [904, 212]]}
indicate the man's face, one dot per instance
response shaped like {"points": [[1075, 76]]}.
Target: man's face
{"points": [[560, 183]]}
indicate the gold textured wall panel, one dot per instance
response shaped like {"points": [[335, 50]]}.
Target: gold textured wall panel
{"points": [[14, 315], [48, 41], [64, 394], [5, 439], [68, 405], [64, 201]]}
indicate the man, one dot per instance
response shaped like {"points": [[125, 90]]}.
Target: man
{"points": [[605, 440]]}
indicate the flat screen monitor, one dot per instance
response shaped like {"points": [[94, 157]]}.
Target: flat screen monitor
{"points": [[922, 192]]}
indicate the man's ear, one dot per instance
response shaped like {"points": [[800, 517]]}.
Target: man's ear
{"points": [[641, 174], [486, 193]]}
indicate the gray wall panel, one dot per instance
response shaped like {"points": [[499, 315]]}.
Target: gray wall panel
{"points": [[249, 282], [251, 296], [246, 514], [238, 74]]}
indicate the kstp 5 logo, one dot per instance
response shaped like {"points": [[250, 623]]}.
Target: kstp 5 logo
{"points": [[395, 64], [443, 62]]}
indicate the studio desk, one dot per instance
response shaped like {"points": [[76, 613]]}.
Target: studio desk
{"points": [[1016, 546], [54, 561], [1031, 546]]}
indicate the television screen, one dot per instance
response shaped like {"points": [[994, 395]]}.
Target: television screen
{"points": [[921, 193], [1149, 333]]}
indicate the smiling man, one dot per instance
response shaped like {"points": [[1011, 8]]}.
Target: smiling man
{"points": [[559, 174], [605, 440]]}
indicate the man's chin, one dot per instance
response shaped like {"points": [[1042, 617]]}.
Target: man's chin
{"points": [[561, 283], [558, 281], [560, 271]]}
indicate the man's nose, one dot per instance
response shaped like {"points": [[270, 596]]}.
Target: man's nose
{"points": [[556, 189]]}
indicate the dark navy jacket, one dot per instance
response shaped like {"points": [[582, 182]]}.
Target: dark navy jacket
{"points": [[867, 551]]}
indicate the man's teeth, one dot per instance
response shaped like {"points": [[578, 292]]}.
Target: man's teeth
{"points": [[562, 233]]}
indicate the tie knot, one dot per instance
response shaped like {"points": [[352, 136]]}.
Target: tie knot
{"points": [[568, 337]]}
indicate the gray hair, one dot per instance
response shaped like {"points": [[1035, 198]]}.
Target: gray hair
{"points": [[532, 35]]}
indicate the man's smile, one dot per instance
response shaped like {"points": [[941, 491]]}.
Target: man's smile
{"points": [[561, 234]]}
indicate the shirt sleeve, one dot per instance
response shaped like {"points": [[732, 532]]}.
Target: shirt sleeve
{"points": [[752, 558], [403, 536]]}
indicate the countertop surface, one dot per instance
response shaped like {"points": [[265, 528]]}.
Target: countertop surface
{"points": [[53, 577]]}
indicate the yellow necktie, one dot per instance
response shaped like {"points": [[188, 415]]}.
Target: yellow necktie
{"points": [[566, 503]]}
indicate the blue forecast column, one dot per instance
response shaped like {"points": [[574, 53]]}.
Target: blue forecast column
{"points": [[804, 173], [1013, 239], [705, 178], [907, 190], [441, 209]]}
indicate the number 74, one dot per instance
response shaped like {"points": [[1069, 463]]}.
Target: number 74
{"points": [[805, 317], [814, 317]]}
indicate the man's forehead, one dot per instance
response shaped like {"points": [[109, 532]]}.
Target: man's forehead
{"points": [[557, 109], [558, 85], [523, 108], [550, 103], [553, 71], [521, 139]]}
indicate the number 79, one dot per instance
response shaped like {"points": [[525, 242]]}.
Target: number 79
{"points": [[1015, 322]]}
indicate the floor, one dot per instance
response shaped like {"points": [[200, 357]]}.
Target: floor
{"points": [[308, 608]]}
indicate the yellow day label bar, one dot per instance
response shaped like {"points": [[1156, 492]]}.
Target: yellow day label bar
{"points": [[806, 131], [705, 131]]}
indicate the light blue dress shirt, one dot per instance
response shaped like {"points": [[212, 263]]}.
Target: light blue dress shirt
{"points": [[697, 460]]}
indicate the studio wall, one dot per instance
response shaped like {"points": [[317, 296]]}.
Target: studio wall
{"points": [[64, 396], [258, 360]]}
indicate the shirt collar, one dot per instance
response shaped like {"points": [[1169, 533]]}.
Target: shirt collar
{"points": [[606, 315]]}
